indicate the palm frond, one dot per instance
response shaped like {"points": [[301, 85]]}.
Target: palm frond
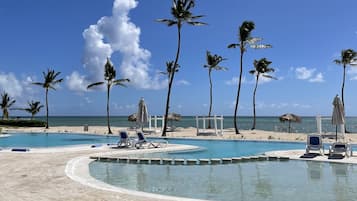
{"points": [[252, 72], [254, 40], [260, 46], [94, 84], [167, 22], [11, 103], [57, 81], [120, 82], [336, 61], [38, 83], [233, 45], [269, 76], [197, 23]]}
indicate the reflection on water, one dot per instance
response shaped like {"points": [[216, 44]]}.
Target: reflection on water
{"points": [[314, 170], [261, 180]]}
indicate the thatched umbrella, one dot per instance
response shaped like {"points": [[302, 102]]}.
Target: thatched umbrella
{"points": [[290, 118], [173, 117], [132, 117]]}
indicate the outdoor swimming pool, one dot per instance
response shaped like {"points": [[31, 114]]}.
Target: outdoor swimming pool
{"points": [[31, 140], [258, 180], [253, 180]]}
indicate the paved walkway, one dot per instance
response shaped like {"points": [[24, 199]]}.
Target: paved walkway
{"points": [[40, 175]]}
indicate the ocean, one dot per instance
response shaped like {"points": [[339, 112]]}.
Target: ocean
{"points": [[307, 125]]}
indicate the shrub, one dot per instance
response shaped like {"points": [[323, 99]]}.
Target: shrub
{"points": [[22, 123]]}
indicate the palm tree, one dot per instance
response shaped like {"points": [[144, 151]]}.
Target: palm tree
{"points": [[109, 77], [50, 80], [261, 68], [244, 39], [212, 64], [348, 57], [34, 107], [181, 14], [6, 103], [170, 69]]}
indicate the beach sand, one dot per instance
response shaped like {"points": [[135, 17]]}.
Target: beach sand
{"points": [[41, 175]]}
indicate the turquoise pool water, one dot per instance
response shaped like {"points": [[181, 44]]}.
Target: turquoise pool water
{"points": [[52, 140], [227, 148], [249, 181]]}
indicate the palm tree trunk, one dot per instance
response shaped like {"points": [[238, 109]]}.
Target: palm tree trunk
{"points": [[210, 98], [343, 85], [47, 108], [108, 119], [239, 86], [172, 78], [254, 93], [343, 89]]}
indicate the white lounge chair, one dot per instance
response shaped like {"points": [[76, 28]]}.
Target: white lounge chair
{"points": [[340, 148], [314, 143], [124, 140], [150, 144]]}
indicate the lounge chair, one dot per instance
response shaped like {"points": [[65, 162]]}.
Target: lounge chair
{"points": [[339, 148], [314, 143], [141, 141], [124, 140]]}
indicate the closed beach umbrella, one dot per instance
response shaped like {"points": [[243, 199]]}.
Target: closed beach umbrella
{"points": [[142, 115], [290, 118], [338, 114]]}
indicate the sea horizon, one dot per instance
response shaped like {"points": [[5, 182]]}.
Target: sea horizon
{"points": [[267, 123]]}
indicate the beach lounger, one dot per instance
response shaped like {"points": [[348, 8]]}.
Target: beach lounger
{"points": [[124, 140], [339, 148], [141, 141], [314, 143]]}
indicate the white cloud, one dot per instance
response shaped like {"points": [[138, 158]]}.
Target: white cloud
{"points": [[318, 78], [303, 73], [234, 81], [10, 85], [116, 34], [77, 82], [183, 82], [352, 72], [22, 90]]}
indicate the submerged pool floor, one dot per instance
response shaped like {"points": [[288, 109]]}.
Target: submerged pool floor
{"points": [[259, 180]]}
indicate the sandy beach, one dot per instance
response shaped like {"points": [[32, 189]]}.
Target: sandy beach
{"points": [[188, 133], [41, 175]]}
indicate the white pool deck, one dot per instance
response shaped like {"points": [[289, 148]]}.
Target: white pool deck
{"points": [[296, 154], [62, 173]]}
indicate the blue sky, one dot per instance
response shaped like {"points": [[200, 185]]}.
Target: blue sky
{"points": [[75, 37]]}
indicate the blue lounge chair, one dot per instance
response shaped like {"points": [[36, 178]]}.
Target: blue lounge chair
{"points": [[314, 143], [339, 148], [124, 140], [151, 144]]}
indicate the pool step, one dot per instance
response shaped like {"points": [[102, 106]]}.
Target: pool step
{"points": [[177, 161]]}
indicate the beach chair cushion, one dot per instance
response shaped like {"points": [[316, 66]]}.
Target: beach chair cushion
{"points": [[314, 142], [124, 140]]}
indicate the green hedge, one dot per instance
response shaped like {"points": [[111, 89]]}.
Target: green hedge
{"points": [[23, 123]]}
